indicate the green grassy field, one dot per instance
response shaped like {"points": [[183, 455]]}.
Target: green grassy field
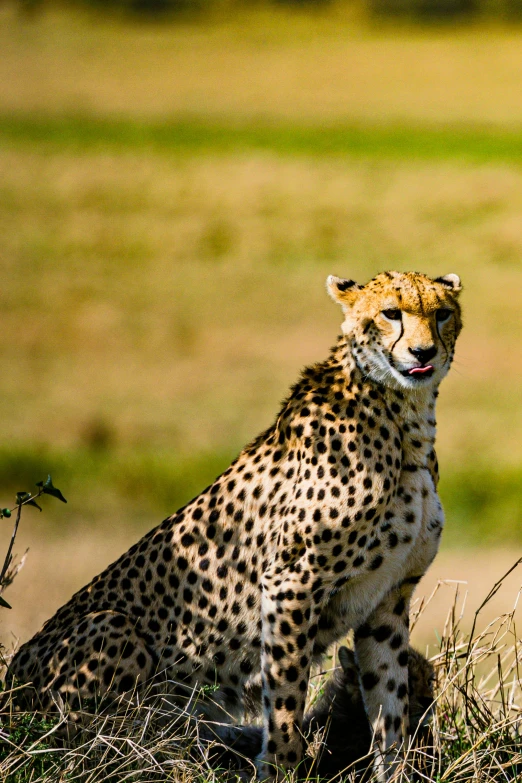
{"points": [[203, 136], [172, 199]]}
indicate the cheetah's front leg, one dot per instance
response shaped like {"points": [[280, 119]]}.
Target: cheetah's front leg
{"points": [[289, 627], [381, 646]]}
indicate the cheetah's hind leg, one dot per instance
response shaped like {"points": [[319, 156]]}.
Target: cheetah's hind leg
{"points": [[81, 668]]}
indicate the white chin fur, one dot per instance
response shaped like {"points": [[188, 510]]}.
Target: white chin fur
{"points": [[420, 383], [384, 373]]}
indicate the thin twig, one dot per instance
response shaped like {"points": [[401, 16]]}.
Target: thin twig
{"points": [[7, 561]]}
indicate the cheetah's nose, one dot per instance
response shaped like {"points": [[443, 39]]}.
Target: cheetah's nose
{"points": [[424, 354]]}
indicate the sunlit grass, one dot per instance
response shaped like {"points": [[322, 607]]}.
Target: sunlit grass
{"points": [[190, 136], [168, 303]]}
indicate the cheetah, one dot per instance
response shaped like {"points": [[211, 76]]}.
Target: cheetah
{"points": [[340, 718], [326, 522]]}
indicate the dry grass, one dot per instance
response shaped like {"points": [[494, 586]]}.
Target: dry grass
{"points": [[476, 726], [261, 64]]}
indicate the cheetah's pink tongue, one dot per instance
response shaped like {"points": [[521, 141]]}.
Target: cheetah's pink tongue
{"points": [[421, 370]]}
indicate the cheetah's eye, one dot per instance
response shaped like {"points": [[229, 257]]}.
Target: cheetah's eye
{"points": [[443, 314], [393, 314]]}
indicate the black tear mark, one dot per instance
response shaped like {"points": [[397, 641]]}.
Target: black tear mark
{"points": [[437, 327], [398, 338]]}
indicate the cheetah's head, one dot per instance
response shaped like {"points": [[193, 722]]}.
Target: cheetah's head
{"points": [[403, 326]]}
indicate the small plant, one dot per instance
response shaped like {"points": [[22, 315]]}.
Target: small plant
{"points": [[10, 569], [30, 734]]}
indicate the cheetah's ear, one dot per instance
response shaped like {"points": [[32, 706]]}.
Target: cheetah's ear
{"points": [[451, 282], [342, 291]]}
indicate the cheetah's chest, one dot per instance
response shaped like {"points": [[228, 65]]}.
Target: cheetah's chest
{"points": [[404, 543]]}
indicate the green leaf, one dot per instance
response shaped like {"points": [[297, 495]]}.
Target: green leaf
{"points": [[49, 489], [3, 602], [6, 512], [33, 503], [22, 499]]}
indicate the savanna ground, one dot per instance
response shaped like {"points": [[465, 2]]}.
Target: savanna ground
{"points": [[172, 198]]}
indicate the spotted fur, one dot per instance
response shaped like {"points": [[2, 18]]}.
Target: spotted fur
{"points": [[324, 523]]}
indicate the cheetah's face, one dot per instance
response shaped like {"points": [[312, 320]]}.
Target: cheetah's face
{"points": [[403, 326]]}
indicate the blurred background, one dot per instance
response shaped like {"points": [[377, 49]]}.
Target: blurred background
{"points": [[177, 179]]}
